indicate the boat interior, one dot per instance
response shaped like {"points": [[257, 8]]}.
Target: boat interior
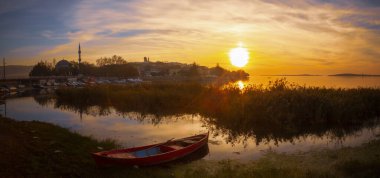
{"points": [[160, 148]]}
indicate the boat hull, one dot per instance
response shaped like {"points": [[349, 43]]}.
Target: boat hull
{"points": [[102, 158]]}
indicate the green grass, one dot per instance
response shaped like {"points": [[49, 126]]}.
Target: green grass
{"points": [[29, 149], [37, 149], [278, 111]]}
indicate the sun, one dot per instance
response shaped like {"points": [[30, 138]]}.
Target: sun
{"points": [[239, 56]]}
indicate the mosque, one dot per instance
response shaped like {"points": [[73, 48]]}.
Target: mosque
{"points": [[63, 66]]}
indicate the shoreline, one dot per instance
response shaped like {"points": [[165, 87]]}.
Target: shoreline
{"points": [[38, 149]]}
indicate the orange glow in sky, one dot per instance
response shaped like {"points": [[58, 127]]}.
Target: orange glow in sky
{"points": [[283, 37]]}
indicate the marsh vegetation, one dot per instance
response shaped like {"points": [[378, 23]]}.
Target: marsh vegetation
{"points": [[277, 111]]}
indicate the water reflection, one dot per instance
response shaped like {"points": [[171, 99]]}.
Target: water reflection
{"points": [[240, 84], [231, 139], [321, 81], [235, 129], [238, 132], [313, 81], [199, 154]]}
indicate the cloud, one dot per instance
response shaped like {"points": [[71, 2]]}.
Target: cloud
{"points": [[363, 21], [288, 31], [27, 24], [276, 32]]}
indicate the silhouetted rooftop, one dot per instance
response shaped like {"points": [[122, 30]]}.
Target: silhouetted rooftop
{"points": [[63, 64]]}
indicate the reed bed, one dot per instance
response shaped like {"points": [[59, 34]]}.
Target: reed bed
{"points": [[278, 110]]}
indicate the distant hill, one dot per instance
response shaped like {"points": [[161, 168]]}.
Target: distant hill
{"points": [[16, 71], [354, 75], [292, 75]]}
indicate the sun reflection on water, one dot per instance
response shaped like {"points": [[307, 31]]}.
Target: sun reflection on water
{"points": [[240, 84]]}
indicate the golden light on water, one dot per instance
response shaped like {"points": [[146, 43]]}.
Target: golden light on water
{"points": [[239, 56], [240, 84]]}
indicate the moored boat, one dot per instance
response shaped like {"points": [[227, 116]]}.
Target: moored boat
{"points": [[152, 154], [38, 86]]}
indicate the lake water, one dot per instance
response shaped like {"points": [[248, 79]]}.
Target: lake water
{"points": [[327, 81], [134, 129]]}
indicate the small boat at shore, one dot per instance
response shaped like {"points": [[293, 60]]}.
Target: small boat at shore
{"points": [[170, 150]]}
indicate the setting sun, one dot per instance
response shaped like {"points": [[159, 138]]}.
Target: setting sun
{"points": [[182, 86], [239, 56]]}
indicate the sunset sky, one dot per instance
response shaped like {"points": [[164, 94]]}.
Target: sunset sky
{"points": [[282, 37]]}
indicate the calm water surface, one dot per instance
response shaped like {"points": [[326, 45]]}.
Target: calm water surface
{"points": [[134, 129], [327, 81]]}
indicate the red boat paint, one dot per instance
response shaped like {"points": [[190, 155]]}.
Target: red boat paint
{"points": [[152, 154]]}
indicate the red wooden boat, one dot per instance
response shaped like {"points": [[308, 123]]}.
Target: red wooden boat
{"points": [[152, 154]]}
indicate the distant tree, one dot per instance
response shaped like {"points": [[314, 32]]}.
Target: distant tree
{"points": [[163, 72], [239, 74], [191, 71], [118, 70], [74, 69], [110, 60], [218, 71], [42, 69], [87, 69]]}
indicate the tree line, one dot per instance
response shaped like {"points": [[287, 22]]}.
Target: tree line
{"points": [[115, 66]]}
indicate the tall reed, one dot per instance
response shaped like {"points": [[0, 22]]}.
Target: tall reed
{"points": [[279, 110]]}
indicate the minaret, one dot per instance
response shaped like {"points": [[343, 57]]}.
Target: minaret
{"points": [[79, 58], [79, 53]]}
